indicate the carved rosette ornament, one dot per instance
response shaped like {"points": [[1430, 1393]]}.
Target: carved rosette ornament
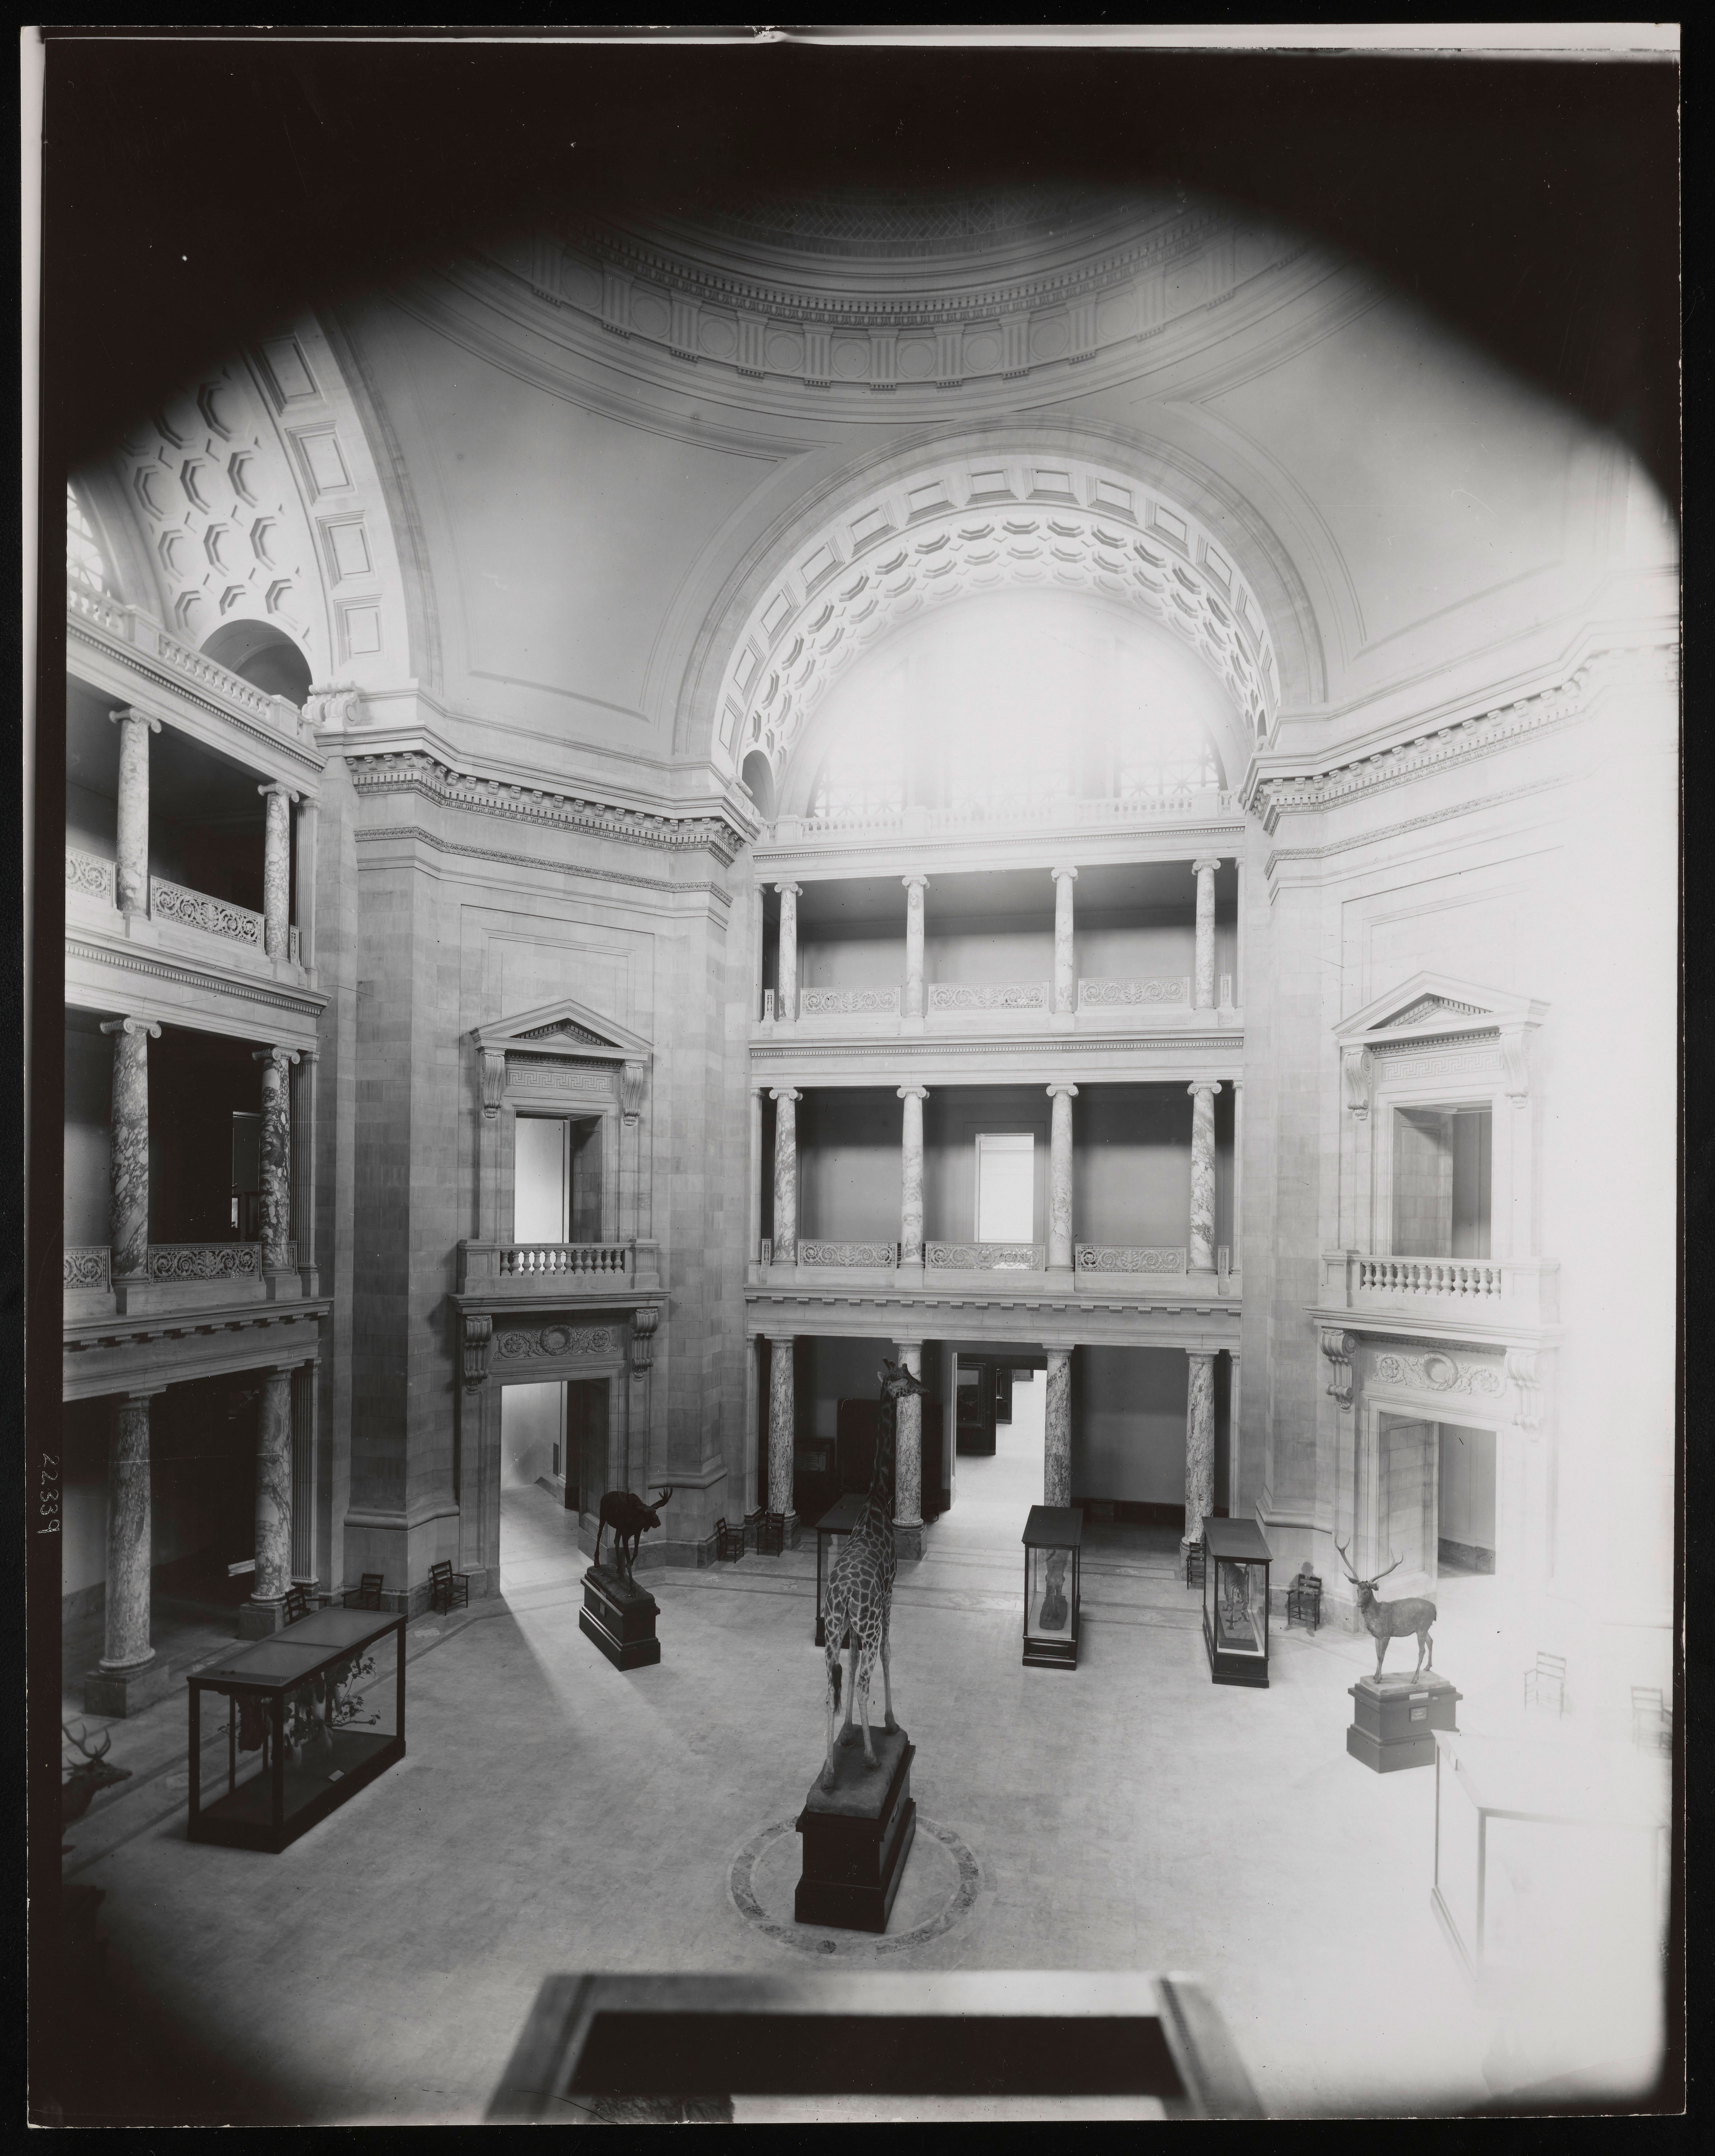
{"points": [[1339, 1348]]}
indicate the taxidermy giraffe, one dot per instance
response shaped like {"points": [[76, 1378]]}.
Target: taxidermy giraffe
{"points": [[860, 1592]]}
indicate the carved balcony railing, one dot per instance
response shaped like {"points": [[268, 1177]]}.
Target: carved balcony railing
{"points": [[534, 1269], [206, 1261], [1130, 1258], [995, 996], [848, 1002], [985, 1257], [88, 1266], [88, 874], [1487, 1289], [87, 611], [846, 1253], [213, 916], [1044, 809], [1169, 992]]}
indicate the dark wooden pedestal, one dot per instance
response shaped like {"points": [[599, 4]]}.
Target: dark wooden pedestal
{"points": [[1393, 1719], [857, 1835], [620, 1617]]}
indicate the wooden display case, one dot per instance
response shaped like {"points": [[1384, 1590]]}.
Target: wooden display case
{"points": [[314, 1712], [1236, 1561], [1053, 1538]]}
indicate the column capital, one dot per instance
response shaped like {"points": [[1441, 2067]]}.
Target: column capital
{"points": [[912, 1093], [279, 785], [1205, 861], [915, 882], [1202, 1354], [1204, 1086], [139, 718], [1071, 875], [280, 1057], [148, 1026], [142, 1393], [308, 1054], [789, 890], [908, 1346], [784, 1093], [1063, 1085]]}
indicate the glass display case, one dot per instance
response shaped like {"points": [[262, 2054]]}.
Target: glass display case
{"points": [[1547, 1857], [311, 1714], [840, 1520], [1052, 1538], [1236, 1559]]}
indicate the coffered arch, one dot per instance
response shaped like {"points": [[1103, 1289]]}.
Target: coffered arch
{"points": [[1061, 508]]}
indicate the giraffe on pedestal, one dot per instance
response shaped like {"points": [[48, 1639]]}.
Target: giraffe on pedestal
{"points": [[860, 1591]]}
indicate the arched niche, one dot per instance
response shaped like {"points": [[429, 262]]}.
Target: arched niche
{"points": [[264, 656]]}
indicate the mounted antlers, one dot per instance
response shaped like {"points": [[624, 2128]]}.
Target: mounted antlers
{"points": [[1353, 1576]]}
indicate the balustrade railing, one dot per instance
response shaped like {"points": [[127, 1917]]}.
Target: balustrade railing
{"points": [[89, 874], [130, 625], [1161, 989], [1130, 1258], [997, 996], [562, 1261], [1045, 810], [88, 1266], [195, 908], [846, 1253], [1474, 1280], [848, 1002], [986, 1257]]}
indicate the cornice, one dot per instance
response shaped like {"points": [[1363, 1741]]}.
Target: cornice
{"points": [[1388, 831], [417, 835], [1223, 1045], [128, 959], [84, 1334], [830, 848], [411, 771]]}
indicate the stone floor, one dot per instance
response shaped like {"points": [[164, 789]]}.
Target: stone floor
{"points": [[553, 1815]]}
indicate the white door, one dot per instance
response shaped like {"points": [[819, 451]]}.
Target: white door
{"points": [[1006, 1186], [542, 1179]]}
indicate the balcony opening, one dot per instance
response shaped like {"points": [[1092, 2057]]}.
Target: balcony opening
{"points": [[1442, 1174], [264, 656], [246, 1177], [208, 823], [1006, 1186], [558, 1187], [205, 1124]]}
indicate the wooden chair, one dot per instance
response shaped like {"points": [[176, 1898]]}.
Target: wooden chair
{"points": [[753, 1526], [448, 1590], [771, 1534], [366, 1595], [1652, 1724], [1304, 1600], [729, 1541], [297, 1603], [1546, 1682], [1194, 1565]]}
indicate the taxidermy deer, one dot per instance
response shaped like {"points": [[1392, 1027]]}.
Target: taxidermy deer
{"points": [[85, 1776], [1393, 1620], [630, 1518]]}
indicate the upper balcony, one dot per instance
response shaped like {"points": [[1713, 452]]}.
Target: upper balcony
{"points": [[558, 1272], [1496, 1293]]}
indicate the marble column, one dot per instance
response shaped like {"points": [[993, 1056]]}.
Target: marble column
{"points": [[274, 1489], [306, 885], [301, 1123], [786, 995], [276, 1157], [753, 1229], [305, 1571], [785, 1099], [1202, 1236], [912, 1008], [911, 1176], [908, 1457], [1060, 1177], [781, 1419], [1065, 969], [1200, 1447], [128, 1211], [131, 861], [277, 870], [1203, 993], [126, 1645], [1057, 1429]]}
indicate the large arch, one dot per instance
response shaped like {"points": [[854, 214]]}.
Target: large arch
{"points": [[1057, 506]]}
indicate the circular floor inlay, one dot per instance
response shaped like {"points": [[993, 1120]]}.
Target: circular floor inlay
{"points": [[940, 1886]]}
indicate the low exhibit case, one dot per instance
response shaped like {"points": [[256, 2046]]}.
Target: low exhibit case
{"points": [[1053, 1538], [313, 1714], [1235, 1601]]}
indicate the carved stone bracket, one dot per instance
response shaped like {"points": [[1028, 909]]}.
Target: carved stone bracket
{"points": [[1515, 1061], [1357, 1070], [1522, 1369], [644, 1324], [478, 1333], [494, 1080], [632, 1077], [1339, 1348]]}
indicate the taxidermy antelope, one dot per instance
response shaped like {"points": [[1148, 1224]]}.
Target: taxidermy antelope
{"points": [[630, 1518], [1393, 1620]]}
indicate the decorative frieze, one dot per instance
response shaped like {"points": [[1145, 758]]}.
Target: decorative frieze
{"points": [[1437, 1372], [848, 1002], [542, 1074], [985, 1257], [205, 1262], [1101, 994], [87, 1266], [1003, 996], [195, 908], [554, 1343], [1130, 1258], [90, 874], [844, 1253]]}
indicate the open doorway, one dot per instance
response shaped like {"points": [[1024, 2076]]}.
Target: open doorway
{"points": [[1466, 1500], [1002, 1396]]}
